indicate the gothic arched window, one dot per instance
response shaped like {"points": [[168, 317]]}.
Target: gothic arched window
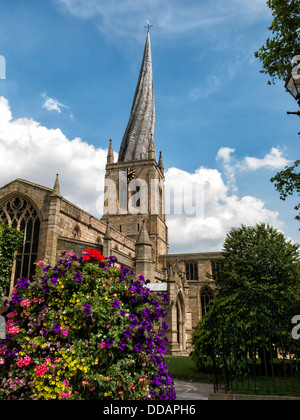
{"points": [[206, 296], [22, 215]]}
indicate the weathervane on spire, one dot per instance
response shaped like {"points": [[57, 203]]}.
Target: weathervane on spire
{"points": [[148, 26]]}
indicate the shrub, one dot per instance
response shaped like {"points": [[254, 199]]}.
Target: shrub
{"points": [[85, 329], [10, 240]]}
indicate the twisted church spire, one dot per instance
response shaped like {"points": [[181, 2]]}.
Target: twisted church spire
{"points": [[141, 125]]}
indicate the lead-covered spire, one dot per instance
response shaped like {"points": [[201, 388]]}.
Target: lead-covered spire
{"points": [[141, 125]]}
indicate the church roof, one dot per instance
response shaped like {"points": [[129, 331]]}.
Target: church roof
{"points": [[140, 128]]}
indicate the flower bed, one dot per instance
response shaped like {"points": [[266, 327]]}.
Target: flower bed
{"points": [[85, 329]]}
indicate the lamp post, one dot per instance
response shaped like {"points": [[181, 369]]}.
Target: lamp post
{"points": [[293, 84]]}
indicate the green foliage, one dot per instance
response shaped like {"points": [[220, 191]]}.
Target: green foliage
{"points": [[277, 53], [240, 326], [287, 183], [258, 285], [10, 240], [259, 259]]}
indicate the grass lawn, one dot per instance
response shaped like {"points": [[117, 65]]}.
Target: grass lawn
{"points": [[183, 368]]}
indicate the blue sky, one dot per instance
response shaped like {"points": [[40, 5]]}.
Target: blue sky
{"points": [[72, 66]]}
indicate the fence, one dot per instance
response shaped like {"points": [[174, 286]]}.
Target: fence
{"points": [[263, 361]]}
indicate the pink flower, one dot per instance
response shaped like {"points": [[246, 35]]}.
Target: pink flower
{"points": [[41, 264], [27, 361], [25, 303], [70, 254], [11, 328], [1, 362], [20, 362], [84, 383], [41, 370], [102, 345], [12, 314], [64, 395]]}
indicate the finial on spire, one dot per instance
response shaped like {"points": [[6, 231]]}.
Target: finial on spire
{"points": [[148, 26]]}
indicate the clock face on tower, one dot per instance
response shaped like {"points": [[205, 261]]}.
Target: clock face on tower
{"points": [[129, 174]]}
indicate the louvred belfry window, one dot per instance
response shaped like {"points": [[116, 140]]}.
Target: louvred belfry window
{"points": [[22, 215]]}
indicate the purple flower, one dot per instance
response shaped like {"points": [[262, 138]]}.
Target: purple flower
{"points": [[23, 283], [87, 309], [122, 345], [133, 324], [127, 333], [164, 326], [54, 281], [56, 328], [77, 276], [109, 342], [123, 313], [116, 304], [146, 313], [138, 348]]}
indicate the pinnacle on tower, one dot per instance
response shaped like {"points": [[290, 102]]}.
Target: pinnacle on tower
{"points": [[56, 188], [143, 238], [151, 151], [141, 125], [161, 164], [110, 155]]}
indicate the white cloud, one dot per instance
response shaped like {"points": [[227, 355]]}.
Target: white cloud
{"points": [[225, 155], [53, 104], [33, 152], [273, 160], [169, 16], [222, 211], [36, 153]]}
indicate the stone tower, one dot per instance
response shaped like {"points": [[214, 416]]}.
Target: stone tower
{"points": [[134, 186]]}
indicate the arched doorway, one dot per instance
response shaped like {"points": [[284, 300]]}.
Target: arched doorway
{"points": [[20, 213]]}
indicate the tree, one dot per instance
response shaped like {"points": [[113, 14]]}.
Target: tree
{"points": [[276, 56], [259, 259], [287, 183], [277, 53], [258, 290]]}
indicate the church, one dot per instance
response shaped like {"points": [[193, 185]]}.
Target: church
{"points": [[133, 227]]}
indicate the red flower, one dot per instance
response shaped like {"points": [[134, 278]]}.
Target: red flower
{"points": [[96, 255], [93, 254]]}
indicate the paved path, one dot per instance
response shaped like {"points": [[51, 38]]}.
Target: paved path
{"points": [[193, 391]]}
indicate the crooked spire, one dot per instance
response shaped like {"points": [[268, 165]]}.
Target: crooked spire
{"points": [[141, 125]]}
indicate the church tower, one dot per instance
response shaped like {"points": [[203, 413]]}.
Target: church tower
{"points": [[134, 186]]}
